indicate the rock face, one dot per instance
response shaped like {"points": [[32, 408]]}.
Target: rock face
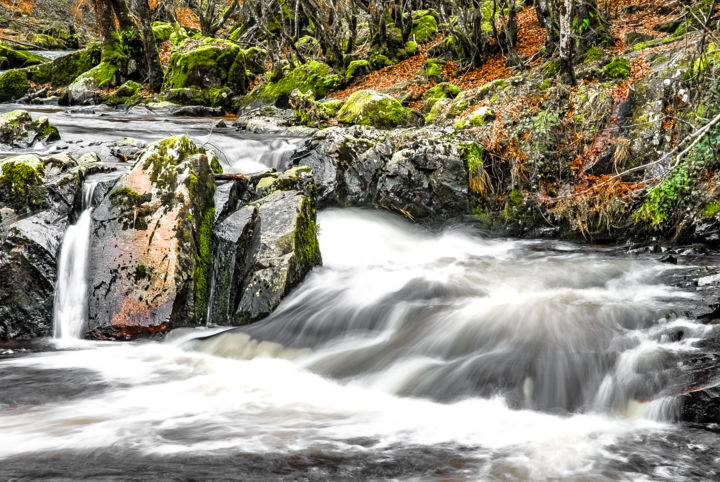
{"points": [[150, 243], [17, 129], [419, 173], [37, 197], [266, 247]]}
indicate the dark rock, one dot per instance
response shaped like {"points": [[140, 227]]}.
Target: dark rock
{"points": [[419, 173], [235, 242]]}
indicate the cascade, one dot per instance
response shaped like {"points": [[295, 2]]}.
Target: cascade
{"points": [[70, 307]]}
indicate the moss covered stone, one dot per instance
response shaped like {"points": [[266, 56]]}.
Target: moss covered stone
{"points": [[213, 65], [13, 85], [357, 68], [162, 31], [424, 28], [14, 59], [367, 107], [312, 76], [18, 129], [617, 68], [63, 70], [432, 70], [22, 182]]}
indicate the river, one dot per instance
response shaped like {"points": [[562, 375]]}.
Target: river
{"points": [[413, 353]]}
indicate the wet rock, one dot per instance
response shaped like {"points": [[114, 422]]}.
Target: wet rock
{"points": [[128, 150], [265, 248], [418, 173], [151, 243], [235, 242], [212, 65], [36, 204], [288, 251], [17, 129]]}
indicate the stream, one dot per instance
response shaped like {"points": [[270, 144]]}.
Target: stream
{"points": [[413, 353]]}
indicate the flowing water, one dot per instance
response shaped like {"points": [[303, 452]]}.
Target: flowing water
{"points": [[412, 354], [70, 308]]}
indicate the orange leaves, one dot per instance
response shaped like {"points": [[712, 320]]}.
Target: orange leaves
{"points": [[391, 76], [187, 18], [24, 6]]}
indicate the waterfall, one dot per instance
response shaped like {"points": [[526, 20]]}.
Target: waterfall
{"points": [[70, 310]]}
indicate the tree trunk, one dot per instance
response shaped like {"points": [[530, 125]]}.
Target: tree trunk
{"points": [[104, 16], [122, 12], [566, 69], [153, 67]]}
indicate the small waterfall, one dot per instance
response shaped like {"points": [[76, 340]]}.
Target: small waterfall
{"points": [[70, 310]]}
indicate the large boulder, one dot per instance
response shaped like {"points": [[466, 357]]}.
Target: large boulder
{"points": [[266, 247], [17, 129], [418, 173], [205, 73], [151, 241], [37, 199], [370, 108]]}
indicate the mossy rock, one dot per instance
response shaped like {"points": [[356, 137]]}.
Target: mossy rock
{"points": [[370, 108], [17, 129], [63, 70], [617, 68], [432, 70], [411, 47], [162, 31], [22, 181], [46, 42], [482, 116], [213, 65], [435, 108], [358, 68], [424, 28], [443, 90], [15, 59], [13, 85], [312, 76], [550, 68]]}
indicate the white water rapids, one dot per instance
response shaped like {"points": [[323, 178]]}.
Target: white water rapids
{"points": [[507, 360]]}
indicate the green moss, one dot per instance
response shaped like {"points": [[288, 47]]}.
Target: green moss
{"points": [[710, 210], [514, 208], [473, 154], [432, 69], [123, 196], [424, 29], [13, 85], [358, 67], [593, 54], [162, 31], [211, 65], [443, 90], [203, 265], [709, 59], [331, 107], [12, 59], [307, 248], [617, 68], [411, 47], [545, 84], [22, 182], [436, 108], [366, 107], [312, 76], [140, 272], [63, 70], [550, 68]]}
